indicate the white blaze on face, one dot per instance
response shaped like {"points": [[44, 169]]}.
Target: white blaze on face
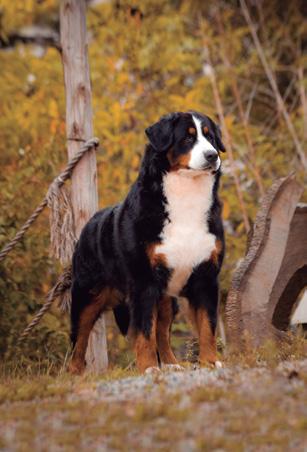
{"points": [[198, 160]]}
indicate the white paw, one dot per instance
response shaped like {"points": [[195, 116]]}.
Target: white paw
{"points": [[218, 364], [152, 370], [172, 367]]}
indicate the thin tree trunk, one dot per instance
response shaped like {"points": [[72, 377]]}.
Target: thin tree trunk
{"points": [[79, 128], [269, 73], [228, 141]]}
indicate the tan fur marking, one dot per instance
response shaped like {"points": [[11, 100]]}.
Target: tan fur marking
{"points": [[108, 298], [207, 342], [155, 258], [216, 252], [183, 161], [146, 349], [205, 130], [180, 162], [191, 313], [164, 322], [86, 322], [192, 130]]}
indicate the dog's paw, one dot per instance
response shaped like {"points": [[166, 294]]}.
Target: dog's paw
{"points": [[152, 370], [218, 364], [212, 364], [172, 367]]}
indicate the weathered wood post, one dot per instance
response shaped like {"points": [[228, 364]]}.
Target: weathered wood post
{"points": [[79, 128]]}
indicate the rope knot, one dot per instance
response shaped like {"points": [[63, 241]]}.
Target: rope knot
{"points": [[92, 143]]}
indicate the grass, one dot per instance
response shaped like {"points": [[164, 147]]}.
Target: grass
{"points": [[207, 394], [271, 353], [44, 385]]}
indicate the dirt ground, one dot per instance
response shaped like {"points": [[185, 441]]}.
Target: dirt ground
{"points": [[230, 409]]}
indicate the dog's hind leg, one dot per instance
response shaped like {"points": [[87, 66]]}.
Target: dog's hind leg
{"points": [[164, 323], [85, 310]]}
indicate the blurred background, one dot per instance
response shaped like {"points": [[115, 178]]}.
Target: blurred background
{"points": [[147, 58]]}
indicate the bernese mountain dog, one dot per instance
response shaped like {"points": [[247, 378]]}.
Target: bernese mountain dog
{"points": [[164, 241]]}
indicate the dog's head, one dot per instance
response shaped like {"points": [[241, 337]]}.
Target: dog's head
{"points": [[190, 140]]}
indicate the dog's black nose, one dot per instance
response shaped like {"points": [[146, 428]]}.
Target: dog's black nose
{"points": [[211, 156]]}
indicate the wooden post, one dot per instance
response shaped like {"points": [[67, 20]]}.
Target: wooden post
{"points": [[79, 128]]}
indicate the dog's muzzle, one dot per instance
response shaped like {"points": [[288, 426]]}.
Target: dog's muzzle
{"points": [[212, 160]]}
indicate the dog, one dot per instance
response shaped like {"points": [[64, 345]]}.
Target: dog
{"points": [[163, 241]]}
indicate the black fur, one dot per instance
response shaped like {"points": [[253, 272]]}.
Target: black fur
{"points": [[112, 249]]}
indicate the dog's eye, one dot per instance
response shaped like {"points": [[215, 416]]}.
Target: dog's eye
{"points": [[207, 134], [205, 130]]}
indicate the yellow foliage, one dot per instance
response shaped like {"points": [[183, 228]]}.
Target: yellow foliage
{"points": [[226, 210], [53, 109]]}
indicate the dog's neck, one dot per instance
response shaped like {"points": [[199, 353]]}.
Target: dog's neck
{"points": [[188, 193]]}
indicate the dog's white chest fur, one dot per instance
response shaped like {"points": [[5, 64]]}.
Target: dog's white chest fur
{"points": [[186, 241]]}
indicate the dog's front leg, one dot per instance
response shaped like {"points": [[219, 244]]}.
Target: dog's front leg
{"points": [[144, 321], [203, 305], [164, 324]]}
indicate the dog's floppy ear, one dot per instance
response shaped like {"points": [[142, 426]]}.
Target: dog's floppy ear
{"points": [[161, 134], [218, 138]]}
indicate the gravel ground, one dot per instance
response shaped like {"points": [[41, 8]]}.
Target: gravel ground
{"points": [[148, 386], [227, 409]]}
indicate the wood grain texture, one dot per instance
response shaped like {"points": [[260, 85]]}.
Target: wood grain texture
{"points": [[292, 277], [79, 126], [250, 306]]}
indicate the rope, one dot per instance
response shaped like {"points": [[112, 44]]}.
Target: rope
{"points": [[57, 182], [5, 251], [62, 284]]}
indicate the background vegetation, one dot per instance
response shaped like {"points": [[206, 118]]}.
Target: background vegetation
{"points": [[147, 58]]}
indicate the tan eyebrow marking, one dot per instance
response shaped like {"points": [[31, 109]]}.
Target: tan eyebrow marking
{"points": [[192, 130], [205, 129]]}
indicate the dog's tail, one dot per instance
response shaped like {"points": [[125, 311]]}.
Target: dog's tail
{"points": [[122, 317]]}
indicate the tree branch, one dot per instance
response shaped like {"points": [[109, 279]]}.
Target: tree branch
{"points": [[43, 36], [269, 73]]}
